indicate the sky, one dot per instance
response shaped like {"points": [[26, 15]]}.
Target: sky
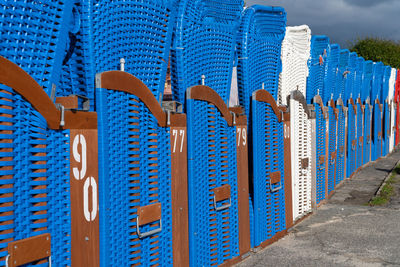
{"points": [[343, 21]]}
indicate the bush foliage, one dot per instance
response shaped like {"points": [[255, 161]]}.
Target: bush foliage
{"points": [[377, 50]]}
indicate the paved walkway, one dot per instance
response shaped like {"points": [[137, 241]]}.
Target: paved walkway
{"points": [[344, 232]]}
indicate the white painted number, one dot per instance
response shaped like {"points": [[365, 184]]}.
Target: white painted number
{"points": [[90, 215], [242, 134], [182, 136], [79, 175]]}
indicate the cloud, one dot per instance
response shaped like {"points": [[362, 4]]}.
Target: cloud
{"points": [[344, 21], [367, 3]]}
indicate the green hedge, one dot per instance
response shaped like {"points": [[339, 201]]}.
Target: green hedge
{"points": [[379, 50]]}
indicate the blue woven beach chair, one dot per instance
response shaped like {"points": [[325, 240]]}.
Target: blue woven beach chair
{"points": [[360, 111], [328, 92], [34, 36], [332, 150], [348, 98], [213, 168], [341, 139], [377, 84], [106, 31], [268, 190], [386, 111], [35, 170], [135, 174], [365, 99], [259, 52], [331, 69], [204, 45], [321, 116], [317, 66]]}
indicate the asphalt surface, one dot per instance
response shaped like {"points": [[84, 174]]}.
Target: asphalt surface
{"points": [[345, 231]]}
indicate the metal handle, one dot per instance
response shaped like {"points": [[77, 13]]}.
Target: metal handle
{"points": [[275, 189], [332, 161], [360, 143], [223, 206], [146, 234], [353, 147], [321, 167]]}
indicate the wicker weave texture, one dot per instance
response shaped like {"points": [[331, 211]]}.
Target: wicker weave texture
{"points": [[35, 195], [386, 110], [108, 30], [259, 52], [300, 127], [268, 199], [331, 70], [377, 81], [351, 138], [134, 171], [331, 150], [350, 77], [316, 66], [294, 56], [341, 152], [204, 44], [213, 234], [376, 151], [341, 74], [320, 152], [367, 134], [359, 136], [33, 36], [367, 81]]}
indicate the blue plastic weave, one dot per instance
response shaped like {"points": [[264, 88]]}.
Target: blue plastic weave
{"points": [[268, 157], [259, 52], [317, 66], [358, 78], [332, 149], [105, 31], [35, 195], [367, 80], [212, 162], [386, 110], [204, 44], [331, 69], [321, 152], [341, 77], [367, 134], [351, 136], [359, 136], [385, 129], [33, 36], [350, 78], [376, 151], [377, 81], [341, 152], [134, 171]]}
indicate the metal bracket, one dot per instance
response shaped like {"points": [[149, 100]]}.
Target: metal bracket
{"points": [[234, 117], [62, 109]]}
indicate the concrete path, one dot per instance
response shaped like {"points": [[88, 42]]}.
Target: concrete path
{"points": [[344, 232]]}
